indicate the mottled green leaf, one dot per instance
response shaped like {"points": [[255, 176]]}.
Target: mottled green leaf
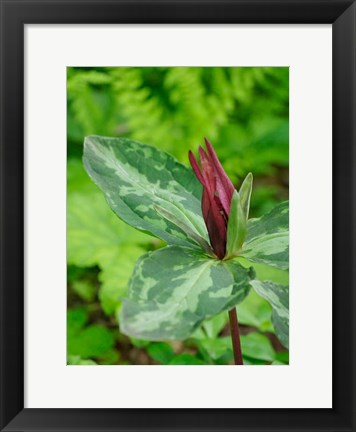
{"points": [[186, 228], [136, 177], [267, 239], [265, 272], [278, 297], [174, 289], [255, 310], [236, 227]]}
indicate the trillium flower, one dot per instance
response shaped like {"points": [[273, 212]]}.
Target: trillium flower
{"points": [[225, 211], [138, 184]]}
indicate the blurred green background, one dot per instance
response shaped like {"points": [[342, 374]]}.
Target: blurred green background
{"points": [[244, 113]]}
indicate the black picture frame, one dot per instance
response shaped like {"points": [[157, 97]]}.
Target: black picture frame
{"points": [[14, 15]]}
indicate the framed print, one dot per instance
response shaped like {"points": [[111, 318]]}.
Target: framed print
{"points": [[159, 160]]}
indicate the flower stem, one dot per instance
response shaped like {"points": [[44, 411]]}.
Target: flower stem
{"points": [[235, 337]]}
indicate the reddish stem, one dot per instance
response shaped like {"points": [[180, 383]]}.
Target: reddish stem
{"points": [[235, 337]]}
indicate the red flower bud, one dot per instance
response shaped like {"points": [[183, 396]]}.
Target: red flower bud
{"points": [[217, 196]]}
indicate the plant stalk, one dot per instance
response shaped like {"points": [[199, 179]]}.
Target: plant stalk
{"points": [[235, 337]]}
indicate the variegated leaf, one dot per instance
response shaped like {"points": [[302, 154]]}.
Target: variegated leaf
{"points": [[174, 289], [278, 297], [267, 239], [136, 177]]}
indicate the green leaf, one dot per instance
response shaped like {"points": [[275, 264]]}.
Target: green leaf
{"points": [[257, 346], [245, 194], [92, 341], [76, 319], [278, 363], [236, 227], [117, 268], [84, 289], [139, 343], [95, 236], [255, 311], [161, 352], [278, 297], [76, 360], [216, 348], [265, 272], [254, 346], [186, 359], [174, 289], [186, 228], [283, 357], [267, 239], [109, 357], [136, 177], [83, 341], [214, 325]]}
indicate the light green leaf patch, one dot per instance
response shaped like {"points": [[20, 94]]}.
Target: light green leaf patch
{"points": [[95, 236], [174, 289], [267, 239], [278, 297], [138, 179]]}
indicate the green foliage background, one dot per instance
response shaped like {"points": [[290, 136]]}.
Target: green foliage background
{"points": [[244, 113]]}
